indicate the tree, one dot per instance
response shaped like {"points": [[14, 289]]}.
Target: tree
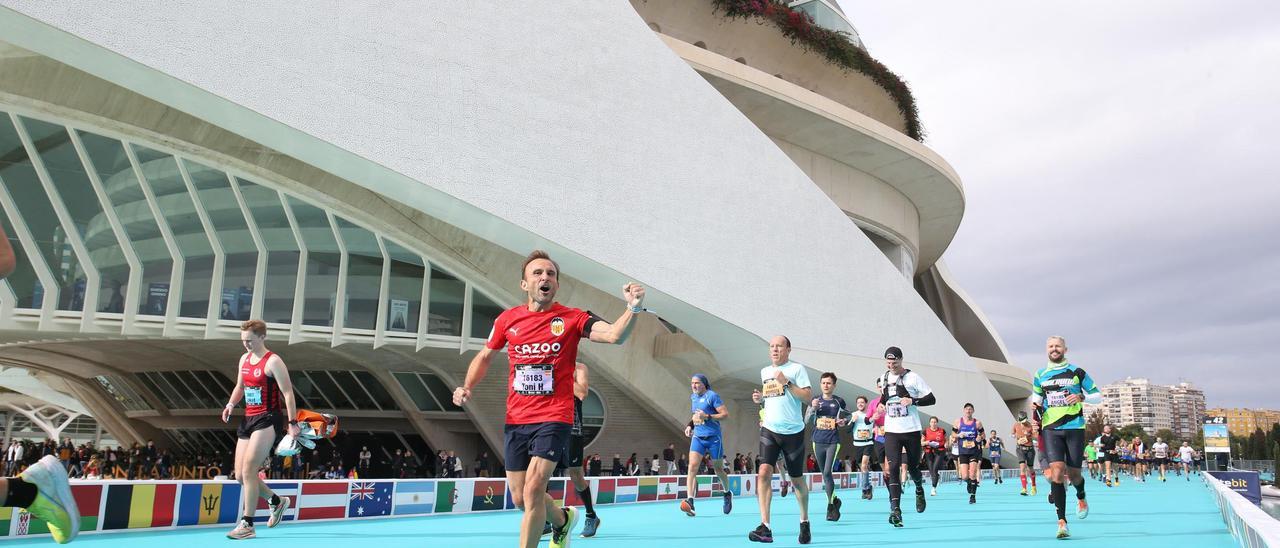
{"points": [[1093, 426], [1131, 431], [1275, 466], [1167, 435]]}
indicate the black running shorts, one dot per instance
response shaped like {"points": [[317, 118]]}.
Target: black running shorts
{"points": [[1027, 455], [572, 458], [860, 451], [548, 440], [1065, 446], [271, 419], [790, 446]]}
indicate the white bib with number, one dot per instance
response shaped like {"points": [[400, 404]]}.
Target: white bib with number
{"points": [[862, 435], [826, 423], [534, 380], [896, 410], [1057, 398], [772, 388], [253, 395]]}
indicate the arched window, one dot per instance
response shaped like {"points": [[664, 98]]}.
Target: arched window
{"points": [[593, 416]]}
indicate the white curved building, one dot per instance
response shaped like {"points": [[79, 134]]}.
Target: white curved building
{"points": [[368, 179]]}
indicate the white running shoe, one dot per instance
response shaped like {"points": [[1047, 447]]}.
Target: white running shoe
{"points": [[242, 531], [277, 512], [54, 503], [933, 492]]}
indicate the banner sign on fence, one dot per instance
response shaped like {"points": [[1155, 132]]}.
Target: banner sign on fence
{"points": [[1245, 483]]}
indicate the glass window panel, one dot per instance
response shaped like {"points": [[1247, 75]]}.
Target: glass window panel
{"points": [[67, 172], [232, 231], [446, 304], [327, 387], [352, 387], [23, 278], [108, 159], [196, 385], [158, 389], [217, 384], [161, 171], [379, 392], [183, 396], [592, 416], [119, 391], [421, 397], [404, 290], [282, 247], [442, 393], [364, 275], [323, 261], [37, 214], [483, 313]]}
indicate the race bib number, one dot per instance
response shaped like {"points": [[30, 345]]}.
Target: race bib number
{"points": [[697, 419], [534, 380], [826, 423], [862, 435], [253, 395], [969, 444], [1057, 398], [772, 388], [896, 410]]}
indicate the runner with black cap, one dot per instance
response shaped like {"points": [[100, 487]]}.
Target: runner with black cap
{"points": [[1059, 389], [785, 390], [705, 438], [903, 391]]}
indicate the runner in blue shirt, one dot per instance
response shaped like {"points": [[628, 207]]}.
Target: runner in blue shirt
{"points": [[828, 413], [705, 438]]}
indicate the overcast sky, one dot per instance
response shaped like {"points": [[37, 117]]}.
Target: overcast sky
{"points": [[1120, 167]]}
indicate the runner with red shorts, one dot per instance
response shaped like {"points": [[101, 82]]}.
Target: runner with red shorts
{"points": [[541, 338]]}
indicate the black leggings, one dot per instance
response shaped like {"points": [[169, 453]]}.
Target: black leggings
{"points": [[894, 443], [935, 459]]}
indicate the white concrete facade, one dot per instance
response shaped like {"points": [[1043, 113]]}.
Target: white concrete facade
{"points": [[537, 132]]}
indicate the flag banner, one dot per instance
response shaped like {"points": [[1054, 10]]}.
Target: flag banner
{"points": [[370, 499], [283, 489], [668, 487], [626, 490], [648, 489], [704, 486], [604, 488], [489, 495], [446, 497], [209, 503], [415, 497], [555, 488], [322, 500], [735, 485]]}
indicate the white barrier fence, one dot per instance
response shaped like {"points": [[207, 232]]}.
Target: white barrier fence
{"points": [[1250, 525]]}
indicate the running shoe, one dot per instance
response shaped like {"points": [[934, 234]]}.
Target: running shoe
{"points": [[1082, 509], [868, 494], [760, 534], [920, 502], [546, 528], [590, 526], [1033, 489], [242, 531], [560, 537], [1062, 529], [53, 503], [934, 492], [277, 512], [728, 502], [831, 511], [785, 486], [805, 537], [895, 517], [973, 499], [686, 506], [838, 505], [1023, 492]]}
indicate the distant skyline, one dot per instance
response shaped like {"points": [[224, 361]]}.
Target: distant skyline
{"points": [[1118, 164]]}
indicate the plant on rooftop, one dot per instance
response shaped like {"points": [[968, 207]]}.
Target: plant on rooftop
{"points": [[799, 27]]}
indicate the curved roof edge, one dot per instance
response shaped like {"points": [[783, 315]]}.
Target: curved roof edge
{"points": [[810, 120]]}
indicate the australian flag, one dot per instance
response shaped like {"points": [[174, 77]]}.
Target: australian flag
{"points": [[369, 499]]}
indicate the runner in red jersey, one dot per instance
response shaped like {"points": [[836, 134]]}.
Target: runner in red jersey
{"points": [[541, 338], [263, 383]]}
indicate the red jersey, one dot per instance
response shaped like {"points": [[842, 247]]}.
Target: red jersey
{"points": [[939, 436], [542, 348], [261, 393]]}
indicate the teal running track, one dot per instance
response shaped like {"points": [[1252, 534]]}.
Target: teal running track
{"points": [[1177, 513]]}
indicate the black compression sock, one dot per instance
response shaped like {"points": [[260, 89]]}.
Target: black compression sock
{"points": [[1080, 490], [248, 520], [21, 493], [275, 499], [1059, 492], [587, 503]]}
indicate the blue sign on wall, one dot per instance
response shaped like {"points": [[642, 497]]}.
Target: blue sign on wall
{"points": [[1245, 483]]}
